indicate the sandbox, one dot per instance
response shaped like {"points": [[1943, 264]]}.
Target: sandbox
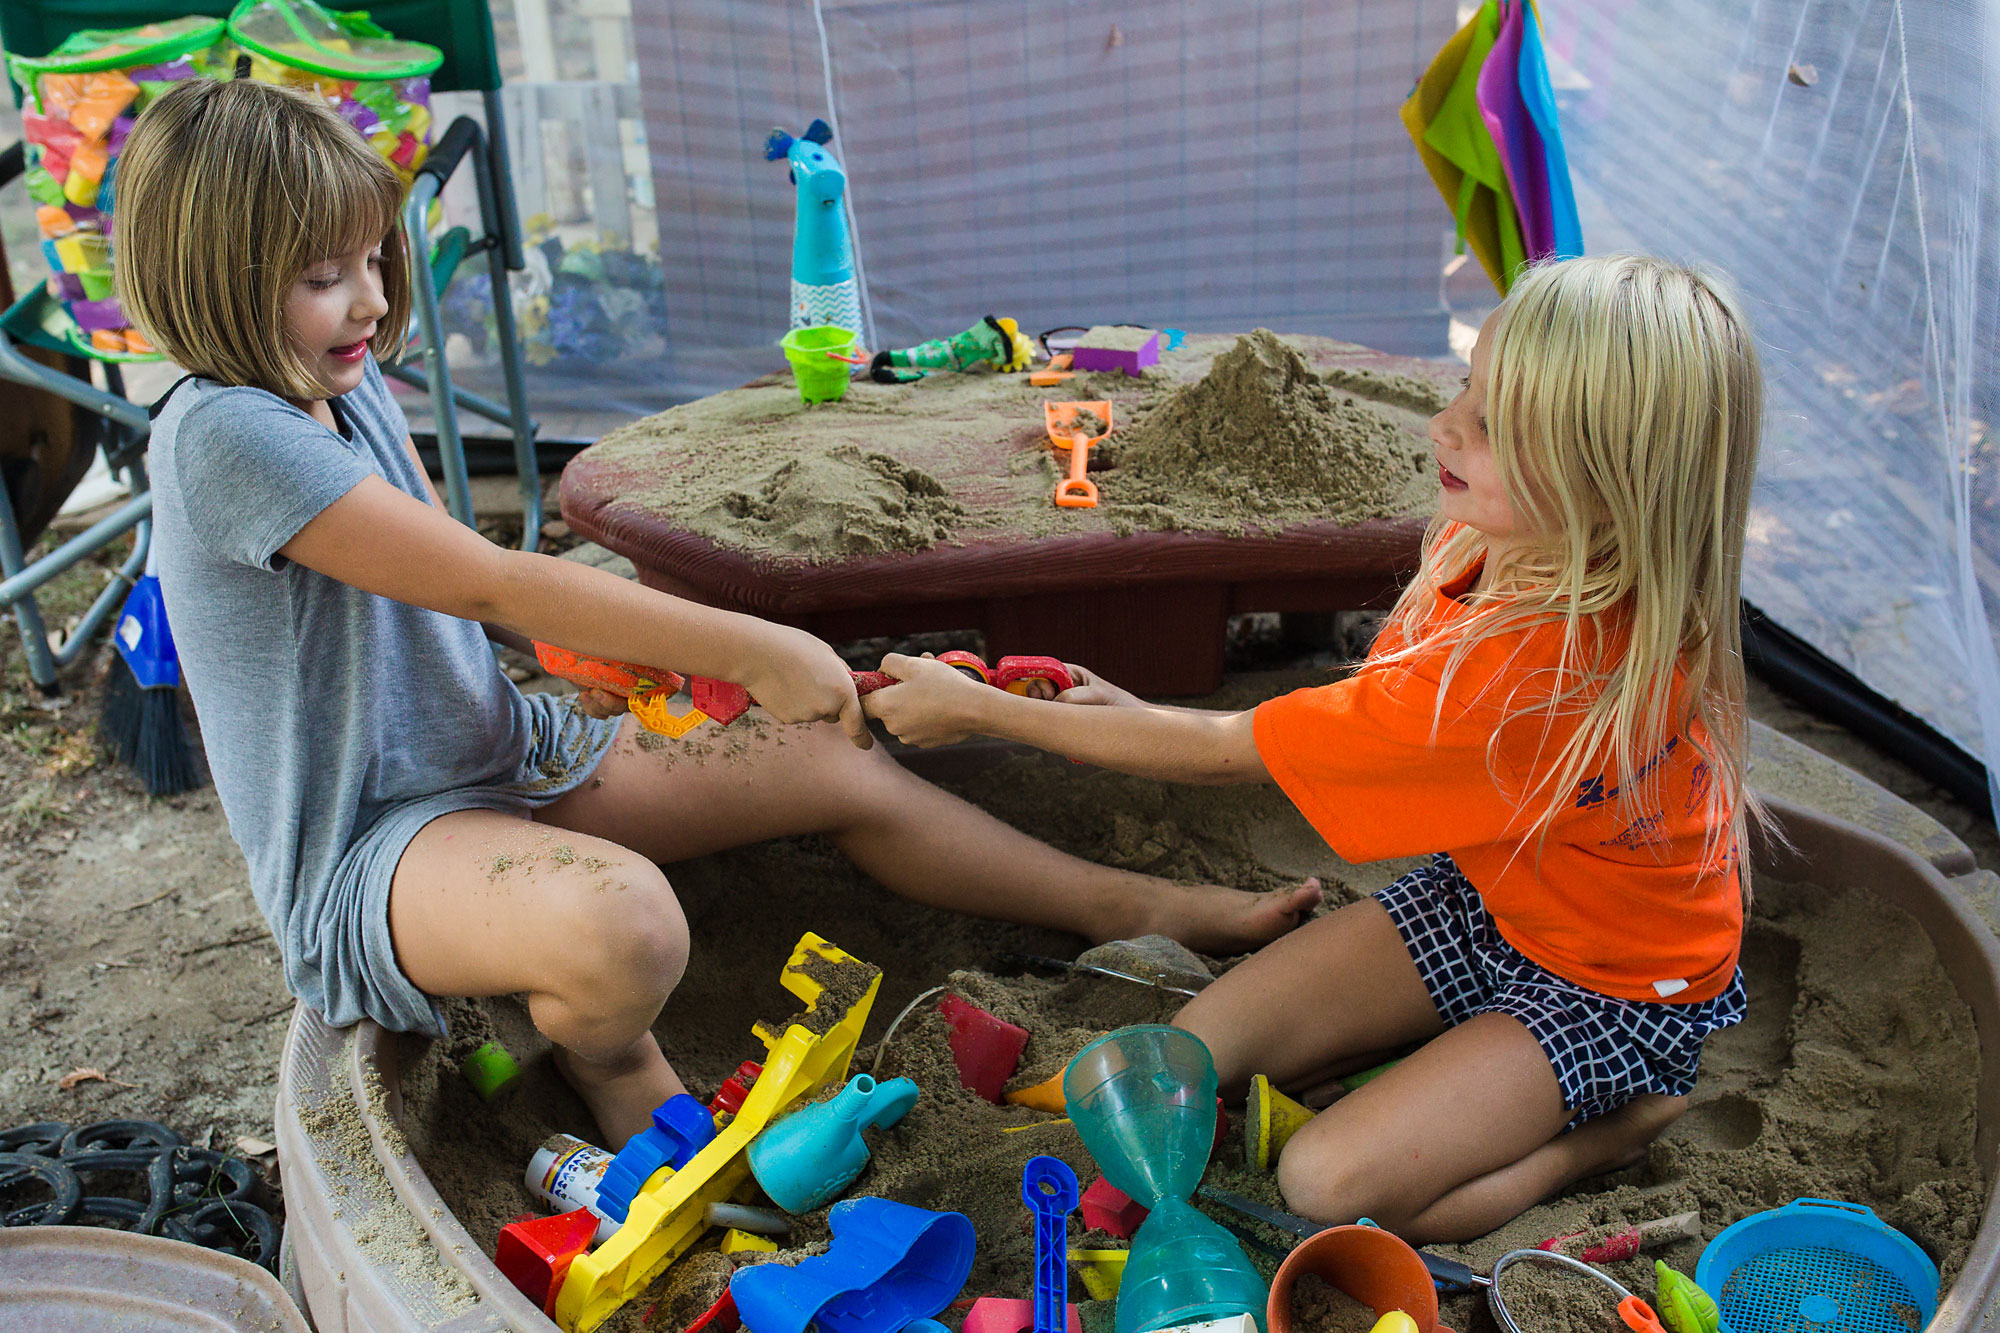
{"points": [[1866, 1071]]}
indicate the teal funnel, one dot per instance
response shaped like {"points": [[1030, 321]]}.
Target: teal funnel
{"points": [[1186, 1269], [1143, 1101]]}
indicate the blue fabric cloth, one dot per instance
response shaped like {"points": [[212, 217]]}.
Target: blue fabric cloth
{"points": [[1540, 95], [1605, 1051], [336, 723]]}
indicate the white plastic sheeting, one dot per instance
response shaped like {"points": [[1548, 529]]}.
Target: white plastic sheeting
{"points": [[1837, 158], [1203, 165]]}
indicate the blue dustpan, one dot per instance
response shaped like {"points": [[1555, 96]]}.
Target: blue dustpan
{"points": [[144, 639]]}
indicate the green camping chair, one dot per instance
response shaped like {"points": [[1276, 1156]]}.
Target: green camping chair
{"points": [[463, 31]]}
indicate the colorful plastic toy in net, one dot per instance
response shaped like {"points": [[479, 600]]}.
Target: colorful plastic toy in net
{"points": [[79, 103], [378, 83]]}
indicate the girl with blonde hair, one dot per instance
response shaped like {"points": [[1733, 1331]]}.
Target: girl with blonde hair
{"points": [[1554, 714], [414, 825]]}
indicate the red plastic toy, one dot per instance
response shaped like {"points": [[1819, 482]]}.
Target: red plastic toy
{"points": [[986, 1050], [997, 1314], [1109, 1209], [717, 701], [1010, 673], [535, 1253], [729, 1097]]}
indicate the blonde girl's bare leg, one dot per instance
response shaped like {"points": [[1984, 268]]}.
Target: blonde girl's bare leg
{"points": [[1470, 1103], [1338, 987]]}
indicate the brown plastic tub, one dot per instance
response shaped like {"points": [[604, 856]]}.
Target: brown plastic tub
{"points": [[418, 1271], [68, 1279]]}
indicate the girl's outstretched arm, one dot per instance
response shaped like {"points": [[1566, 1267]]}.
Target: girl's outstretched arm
{"points": [[937, 705], [380, 540]]}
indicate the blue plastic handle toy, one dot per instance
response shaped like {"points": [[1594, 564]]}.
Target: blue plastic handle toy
{"points": [[1048, 1187], [890, 1264], [813, 1154], [681, 1128]]}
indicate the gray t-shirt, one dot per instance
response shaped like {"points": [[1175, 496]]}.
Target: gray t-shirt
{"points": [[336, 722]]}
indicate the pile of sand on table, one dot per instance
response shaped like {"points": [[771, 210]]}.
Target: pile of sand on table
{"points": [[1222, 435], [1852, 1078], [1262, 442]]}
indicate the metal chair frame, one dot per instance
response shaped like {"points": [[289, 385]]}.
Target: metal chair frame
{"points": [[124, 448]]}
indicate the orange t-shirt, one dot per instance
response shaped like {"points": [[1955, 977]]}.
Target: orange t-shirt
{"points": [[1622, 904]]}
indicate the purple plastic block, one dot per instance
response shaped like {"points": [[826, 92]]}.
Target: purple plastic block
{"points": [[121, 127], [69, 286], [90, 316], [1105, 358], [361, 116]]}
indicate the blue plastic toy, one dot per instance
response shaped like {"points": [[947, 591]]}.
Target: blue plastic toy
{"points": [[813, 1154], [824, 290], [1818, 1263], [889, 1264], [1143, 1101], [1048, 1187], [681, 1128], [1540, 97]]}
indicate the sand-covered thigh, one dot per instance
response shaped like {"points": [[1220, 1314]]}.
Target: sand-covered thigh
{"points": [[1853, 1076]]}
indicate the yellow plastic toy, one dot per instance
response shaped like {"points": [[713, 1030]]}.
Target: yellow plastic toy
{"points": [[1395, 1322], [735, 1242], [1103, 1271], [1270, 1118], [667, 1215], [1684, 1307]]}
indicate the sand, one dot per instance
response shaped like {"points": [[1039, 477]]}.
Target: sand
{"points": [[1284, 430], [1853, 1077], [1262, 441], [1116, 337], [1320, 1307]]}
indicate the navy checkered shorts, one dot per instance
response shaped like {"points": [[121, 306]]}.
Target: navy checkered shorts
{"points": [[1605, 1051]]}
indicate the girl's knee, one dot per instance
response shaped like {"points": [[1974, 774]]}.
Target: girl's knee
{"points": [[1331, 1180], [626, 929]]}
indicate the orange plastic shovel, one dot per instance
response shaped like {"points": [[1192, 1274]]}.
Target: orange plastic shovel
{"points": [[1070, 429]]}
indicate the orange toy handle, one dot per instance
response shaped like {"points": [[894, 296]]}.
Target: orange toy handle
{"points": [[1639, 1316], [628, 680], [1077, 491]]}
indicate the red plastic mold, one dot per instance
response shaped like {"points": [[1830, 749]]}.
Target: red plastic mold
{"points": [[1108, 1208], [986, 1050], [722, 701], [997, 1314], [535, 1253]]}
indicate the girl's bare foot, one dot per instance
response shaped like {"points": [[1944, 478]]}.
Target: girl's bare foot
{"points": [[621, 1092], [1221, 921]]}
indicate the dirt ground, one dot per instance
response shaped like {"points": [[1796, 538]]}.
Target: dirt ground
{"points": [[130, 946]]}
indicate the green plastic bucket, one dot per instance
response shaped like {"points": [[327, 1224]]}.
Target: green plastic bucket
{"points": [[821, 378]]}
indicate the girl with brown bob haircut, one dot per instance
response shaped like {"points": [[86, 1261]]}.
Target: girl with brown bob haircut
{"points": [[414, 825]]}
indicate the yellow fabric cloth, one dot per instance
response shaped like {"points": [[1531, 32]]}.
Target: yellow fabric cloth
{"points": [[1442, 116]]}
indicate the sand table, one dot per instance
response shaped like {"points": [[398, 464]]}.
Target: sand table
{"points": [[1853, 1077], [1252, 473], [1224, 435]]}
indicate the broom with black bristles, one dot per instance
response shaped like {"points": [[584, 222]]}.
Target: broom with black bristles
{"points": [[142, 708]]}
